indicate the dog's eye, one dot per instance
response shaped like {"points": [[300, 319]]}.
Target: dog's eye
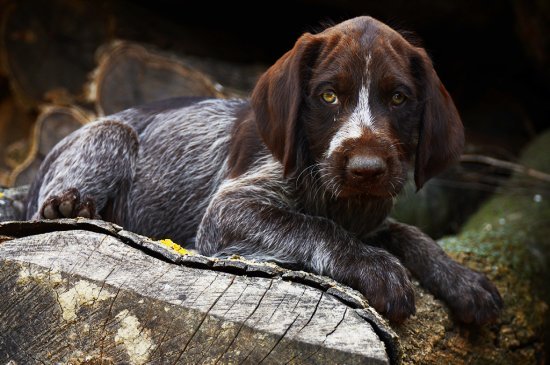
{"points": [[329, 97], [398, 98]]}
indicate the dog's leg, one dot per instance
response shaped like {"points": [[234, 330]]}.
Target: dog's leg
{"points": [[471, 296], [84, 172], [255, 223]]}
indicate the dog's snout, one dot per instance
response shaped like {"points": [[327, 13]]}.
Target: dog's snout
{"points": [[366, 166]]}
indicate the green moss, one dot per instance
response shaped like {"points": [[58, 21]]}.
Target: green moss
{"points": [[512, 230], [509, 239]]}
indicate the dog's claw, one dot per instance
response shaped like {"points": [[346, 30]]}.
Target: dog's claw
{"points": [[49, 210], [68, 204]]}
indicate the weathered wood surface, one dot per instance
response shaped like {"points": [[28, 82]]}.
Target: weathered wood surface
{"points": [[508, 239], [128, 74], [80, 291]]}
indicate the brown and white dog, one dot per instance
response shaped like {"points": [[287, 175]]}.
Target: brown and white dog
{"points": [[304, 174]]}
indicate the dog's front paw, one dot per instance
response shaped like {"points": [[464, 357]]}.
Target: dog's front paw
{"points": [[472, 297], [68, 204], [385, 284]]}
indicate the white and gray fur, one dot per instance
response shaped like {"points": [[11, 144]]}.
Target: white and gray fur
{"points": [[140, 152], [168, 170]]}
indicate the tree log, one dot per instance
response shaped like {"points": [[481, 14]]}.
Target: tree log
{"points": [[80, 291], [128, 75], [508, 239]]}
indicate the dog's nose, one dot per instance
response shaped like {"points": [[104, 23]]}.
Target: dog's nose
{"points": [[365, 166]]}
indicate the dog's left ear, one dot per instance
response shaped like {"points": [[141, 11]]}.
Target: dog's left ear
{"points": [[441, 134], [277, 99]]}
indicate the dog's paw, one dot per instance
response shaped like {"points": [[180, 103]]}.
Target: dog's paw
{"points": [[68, 204], [387, 287], [472, 297]]}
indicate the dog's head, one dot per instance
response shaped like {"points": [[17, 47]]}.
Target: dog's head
{"points": [[362, 104]]}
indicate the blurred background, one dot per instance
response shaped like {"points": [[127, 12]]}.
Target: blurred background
{"points": [[65, 62]]}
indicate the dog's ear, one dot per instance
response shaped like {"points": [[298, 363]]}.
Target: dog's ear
{"points": [[441, 134], [277, 99]]}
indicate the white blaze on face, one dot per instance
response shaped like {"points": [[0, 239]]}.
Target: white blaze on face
{"points": [[359, 119]]}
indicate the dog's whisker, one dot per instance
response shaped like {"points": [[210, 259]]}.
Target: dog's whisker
{"points": [[302, 173]]}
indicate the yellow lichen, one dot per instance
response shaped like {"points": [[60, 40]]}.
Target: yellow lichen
{"points": [[174, 246], [1, 195], [83, 293]]}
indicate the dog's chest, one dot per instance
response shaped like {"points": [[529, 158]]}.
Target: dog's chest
{"points": [[359, 216]]}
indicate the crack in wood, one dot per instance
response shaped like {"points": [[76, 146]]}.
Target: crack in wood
{"points": [[93, 251], [278, 340], [220, 330], [277, 307], [313, 313], [238, 298], [206, 288], [103, 333], [337, 325], [103, 283], [299, 300], [326, 337], [244, 322], [159, 343], [203, 319]]}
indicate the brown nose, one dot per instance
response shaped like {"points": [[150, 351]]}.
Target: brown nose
{"points": [[366, 167]]}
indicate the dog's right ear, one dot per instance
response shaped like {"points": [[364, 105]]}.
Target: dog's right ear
{"points": [[276, 101], [441, 134]]}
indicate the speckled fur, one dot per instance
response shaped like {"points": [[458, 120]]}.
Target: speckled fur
{"points": [[270, 178]]}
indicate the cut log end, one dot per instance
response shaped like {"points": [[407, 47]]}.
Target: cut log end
{"points": [[91, 295]]}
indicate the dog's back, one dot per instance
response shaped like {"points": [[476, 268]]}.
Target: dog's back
{"points": [[304, 174], [182, 156]]}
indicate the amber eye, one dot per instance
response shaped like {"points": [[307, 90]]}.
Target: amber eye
{"points": [[329, 97], [398, 98]]}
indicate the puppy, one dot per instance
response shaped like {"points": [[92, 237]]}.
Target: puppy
{"points": [[304, 173]]}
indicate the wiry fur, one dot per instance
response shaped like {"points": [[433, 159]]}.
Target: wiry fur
{"points": [[286, 176]]}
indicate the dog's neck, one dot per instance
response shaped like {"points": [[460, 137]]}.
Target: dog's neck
{"points": [[315, 199]]}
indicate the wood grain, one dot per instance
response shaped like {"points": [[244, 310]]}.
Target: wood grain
{"points": [[76, 296]]}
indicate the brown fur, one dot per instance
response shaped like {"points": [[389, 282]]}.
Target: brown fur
{"points": [[289, 176]]}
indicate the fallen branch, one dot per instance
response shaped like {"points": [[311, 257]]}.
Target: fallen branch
{"points": [[511, 166]]}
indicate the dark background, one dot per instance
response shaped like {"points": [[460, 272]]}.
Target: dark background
{"points": [[492, 55]]}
